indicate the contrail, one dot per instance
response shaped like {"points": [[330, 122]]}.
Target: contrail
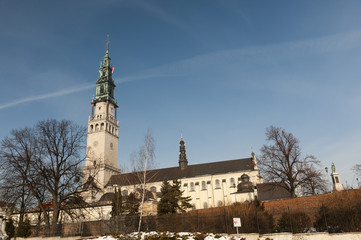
{"points": [[72, 90], [45, 96]]}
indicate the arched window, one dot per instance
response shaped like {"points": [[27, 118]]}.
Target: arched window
{"points": [[218, 184], [101, 126], [96, 127], [205, 205], [91, 128], [191, 187], [204, 185], [153, 189], [125, 193], [233, 184]]}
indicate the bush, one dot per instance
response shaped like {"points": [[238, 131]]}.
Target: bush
{"points": [[24, 229], [250, 214], [342, 213], [296, 223], [10, 228], [163, 236]]}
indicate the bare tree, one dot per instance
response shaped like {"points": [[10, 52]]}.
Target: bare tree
{"points": [[18, 153], [142, 162], [314, 181], [282, 163], [62, 145], [357, 169], [47, 161]]}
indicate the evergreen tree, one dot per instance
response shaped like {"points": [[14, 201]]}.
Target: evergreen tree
{"points": [[132, 204], [117, 204], [10, 228], [180, 203], [296, 222], [172, 200], [24, 229], [163, 205], [165, 187]]}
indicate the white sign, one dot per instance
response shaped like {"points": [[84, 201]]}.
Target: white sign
{"points": [[237, 222]]}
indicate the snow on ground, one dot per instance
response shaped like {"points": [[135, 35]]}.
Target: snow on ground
{"points": [[178, 236]]}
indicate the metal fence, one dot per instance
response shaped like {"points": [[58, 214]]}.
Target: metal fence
{"points": [[336, 216], [255, 221]]}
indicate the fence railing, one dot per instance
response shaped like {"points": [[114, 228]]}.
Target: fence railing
{"points": [[343, 217]]}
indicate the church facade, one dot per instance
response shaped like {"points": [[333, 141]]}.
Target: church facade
{"points": [[209, 184]]}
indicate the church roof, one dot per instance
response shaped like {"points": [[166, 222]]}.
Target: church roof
{"points": [[158, 175], [107, 197], [272, 191]]}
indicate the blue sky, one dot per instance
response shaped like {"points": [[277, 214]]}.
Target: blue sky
{"points": [[220, 72]]}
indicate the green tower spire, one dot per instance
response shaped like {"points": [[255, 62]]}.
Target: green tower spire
{"points": [[105, 84]]}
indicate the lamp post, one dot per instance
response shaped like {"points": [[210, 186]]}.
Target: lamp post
{"points": [[255, 204], [116, 199], [326, 169], [116, 206]]}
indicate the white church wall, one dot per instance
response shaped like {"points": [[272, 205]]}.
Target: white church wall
{"points": [[208, 190]]}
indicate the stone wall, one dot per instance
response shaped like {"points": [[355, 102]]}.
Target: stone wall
{"points": [[252, 236], [312, 236]]}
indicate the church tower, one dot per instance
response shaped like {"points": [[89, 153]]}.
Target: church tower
{"points": [[183, 162], [102, 138], [337, 186]]}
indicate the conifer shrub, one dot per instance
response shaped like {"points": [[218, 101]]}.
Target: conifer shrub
{"points": [[10, 228], [296, 222], [24, 229]]}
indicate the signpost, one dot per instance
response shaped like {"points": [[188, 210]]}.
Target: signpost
{"points": [[237, 223]]}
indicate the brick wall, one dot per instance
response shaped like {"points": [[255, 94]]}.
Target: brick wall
{"points": [[310, 205]]}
